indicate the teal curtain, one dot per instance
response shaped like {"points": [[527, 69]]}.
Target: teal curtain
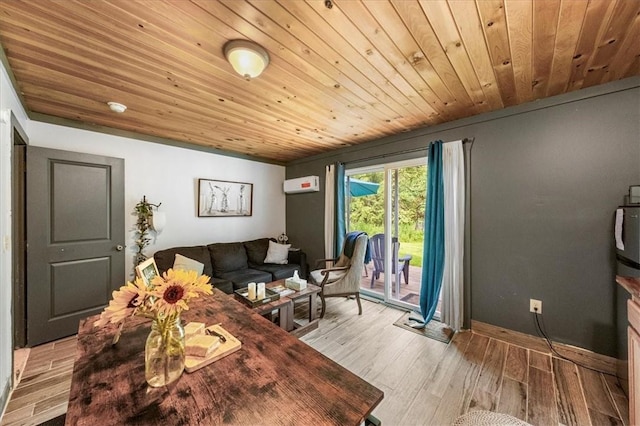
{"points": [[433, 251], [341, 228]]}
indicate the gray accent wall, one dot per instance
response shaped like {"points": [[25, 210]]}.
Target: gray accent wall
{"points": [[546, 178]]}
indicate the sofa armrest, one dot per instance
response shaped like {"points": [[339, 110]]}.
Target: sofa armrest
{"points": [[299, 257]]}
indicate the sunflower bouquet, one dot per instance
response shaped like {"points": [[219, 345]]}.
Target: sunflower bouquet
{"points": [[163, 300]]}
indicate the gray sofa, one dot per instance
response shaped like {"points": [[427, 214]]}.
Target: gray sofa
{"points": [[233, 265]]}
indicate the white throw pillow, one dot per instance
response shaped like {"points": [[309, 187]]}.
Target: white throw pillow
{"points": [[187, 264], [277, 253]]}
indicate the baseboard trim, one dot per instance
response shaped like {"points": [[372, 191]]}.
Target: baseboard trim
{"points": [[4, 398], [20, 358], [586, 357]]}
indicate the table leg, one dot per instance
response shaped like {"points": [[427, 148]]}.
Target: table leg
{"points": [[286, 316], [313, 306]]}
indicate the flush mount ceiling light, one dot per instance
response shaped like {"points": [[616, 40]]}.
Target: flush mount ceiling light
{"points": [[116, 107], [246, 57]]}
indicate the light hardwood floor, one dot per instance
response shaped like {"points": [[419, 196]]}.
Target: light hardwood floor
{"points": [[425, 382]]}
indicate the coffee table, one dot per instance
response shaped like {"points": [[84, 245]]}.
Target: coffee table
{"points": [[284, 306], [311, 293]]}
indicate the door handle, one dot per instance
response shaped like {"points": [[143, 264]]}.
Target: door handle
{"points": [[119, 247]]}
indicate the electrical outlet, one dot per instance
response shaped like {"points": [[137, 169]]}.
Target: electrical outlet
{"points": [[535, 306]]}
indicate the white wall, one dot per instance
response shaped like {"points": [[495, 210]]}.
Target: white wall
{"points": [[170, 175], [9, 104]]}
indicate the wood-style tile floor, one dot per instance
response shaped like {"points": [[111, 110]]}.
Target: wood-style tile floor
{"points": [[43, 391], [425, 382]]}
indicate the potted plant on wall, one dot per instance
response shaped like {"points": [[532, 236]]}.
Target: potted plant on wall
{"points": [[144, 212]]}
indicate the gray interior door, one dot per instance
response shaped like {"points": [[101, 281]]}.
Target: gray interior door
{"points": [[75, 239]]}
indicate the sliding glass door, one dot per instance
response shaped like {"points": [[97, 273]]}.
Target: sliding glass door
{"points": [[365, 207], [387, 202]]}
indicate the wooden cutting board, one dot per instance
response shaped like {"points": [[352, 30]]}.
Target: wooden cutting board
{"points": [[193, 363]]}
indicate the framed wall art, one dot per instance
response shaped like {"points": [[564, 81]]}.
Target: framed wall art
{"points": [[220, 198], [147, 270]]}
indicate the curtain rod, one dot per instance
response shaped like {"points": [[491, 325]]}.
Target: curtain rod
{"points": [[406, 151]]}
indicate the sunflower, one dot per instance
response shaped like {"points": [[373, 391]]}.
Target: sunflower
{"points": [[175, 288], [125, 302]]}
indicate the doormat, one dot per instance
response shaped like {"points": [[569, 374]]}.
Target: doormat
{"points": [[434, 329], [412, 298], [57, 421]]}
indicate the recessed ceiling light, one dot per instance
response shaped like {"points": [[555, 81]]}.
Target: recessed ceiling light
{"points": [[116, 107]]}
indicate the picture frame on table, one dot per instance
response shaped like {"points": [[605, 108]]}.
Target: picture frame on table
{"points": [[221, 198], [147, 270]]}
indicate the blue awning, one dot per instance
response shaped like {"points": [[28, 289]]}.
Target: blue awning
{"points": [[361, 188]]}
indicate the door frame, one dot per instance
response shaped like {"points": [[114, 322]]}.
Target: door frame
{"points": [[19, 142]]}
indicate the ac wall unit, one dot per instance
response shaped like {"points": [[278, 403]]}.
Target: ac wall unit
{"points": [[303, 184]]}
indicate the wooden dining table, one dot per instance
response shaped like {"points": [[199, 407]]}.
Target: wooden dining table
{"points": [[274, 379]]}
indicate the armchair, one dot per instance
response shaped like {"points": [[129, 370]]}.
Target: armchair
{"points": [[343, 279]]}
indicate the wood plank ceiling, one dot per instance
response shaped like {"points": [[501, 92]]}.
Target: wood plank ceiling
{"points": [[338, 76]]}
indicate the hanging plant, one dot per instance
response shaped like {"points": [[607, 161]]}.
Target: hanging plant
{"points": [[144, 211]]}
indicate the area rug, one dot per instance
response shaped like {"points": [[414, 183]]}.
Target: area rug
{"points": [[488, 418], [434, 330], [412, 298]]}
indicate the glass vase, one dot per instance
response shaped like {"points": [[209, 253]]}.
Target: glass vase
{"points": [[164, 351]]}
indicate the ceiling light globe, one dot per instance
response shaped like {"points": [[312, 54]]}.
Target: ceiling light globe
{"points": [[117, 107], [247, 58]]}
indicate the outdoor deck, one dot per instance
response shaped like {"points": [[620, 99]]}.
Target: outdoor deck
{"points": [[408, 292]]}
